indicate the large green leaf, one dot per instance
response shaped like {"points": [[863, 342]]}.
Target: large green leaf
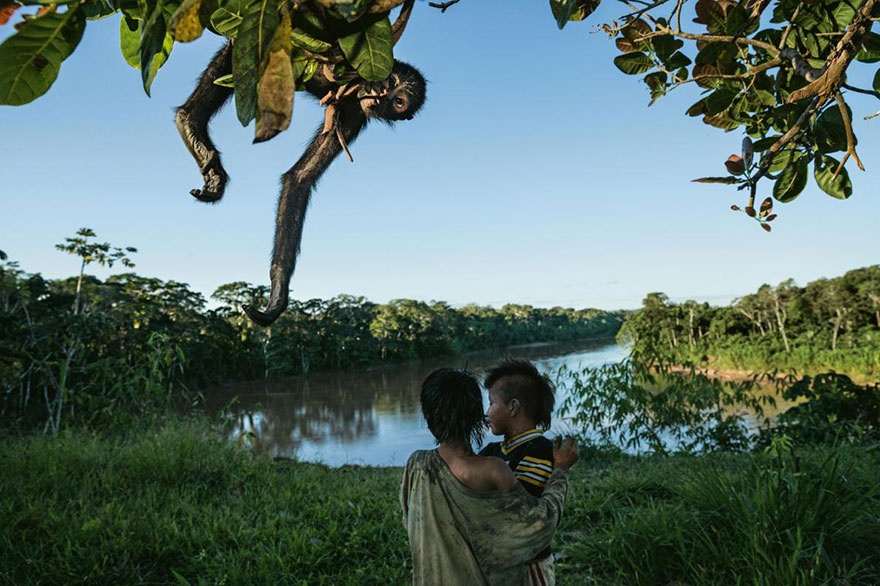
{"points": [[129, 43], [633, 63], [259, 21], [276, 86], [719, 100], [31, 58], [823, 171], [227, 18], [155, 43], [367, 44], [129, 38], [791, 181]]}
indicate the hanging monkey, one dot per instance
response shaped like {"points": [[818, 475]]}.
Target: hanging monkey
{"points": [[351, 105]]}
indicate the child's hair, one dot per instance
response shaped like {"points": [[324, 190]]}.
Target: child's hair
{"points": [[453, 406], [523, 382]]}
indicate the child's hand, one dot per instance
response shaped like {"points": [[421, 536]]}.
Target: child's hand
{"points": [[565, 454]]}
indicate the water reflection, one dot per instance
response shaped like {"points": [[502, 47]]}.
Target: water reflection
{"points": [[370, 417]]}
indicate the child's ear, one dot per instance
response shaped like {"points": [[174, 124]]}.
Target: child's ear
{"points": [[514, 406]]}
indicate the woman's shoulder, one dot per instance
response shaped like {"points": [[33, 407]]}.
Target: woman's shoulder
{"points": [[421, 458]]}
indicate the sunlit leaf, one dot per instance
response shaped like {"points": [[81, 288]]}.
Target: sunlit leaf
{"points": [[633, 63], [791, 181], [31, 58], [227, 18], [276, 86], [259, 21], [154, 46], [187, 22], [368, 45], [735, 165], [225, 81], [766, 206], [823, 171]]}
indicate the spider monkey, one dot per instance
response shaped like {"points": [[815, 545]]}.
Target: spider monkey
{"points": [[399, 97]]}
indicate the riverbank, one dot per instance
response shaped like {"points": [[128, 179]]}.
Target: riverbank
{"points": [[715, 369], [181, 505]]}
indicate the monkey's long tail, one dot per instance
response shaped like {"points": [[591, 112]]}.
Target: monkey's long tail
{"points": [[296, 188]]}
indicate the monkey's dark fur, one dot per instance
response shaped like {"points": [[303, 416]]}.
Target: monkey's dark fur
{"points": [[398, 98]]}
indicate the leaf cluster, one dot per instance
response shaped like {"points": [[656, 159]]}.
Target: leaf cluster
{"points": [[777, 71], [278, 47]]}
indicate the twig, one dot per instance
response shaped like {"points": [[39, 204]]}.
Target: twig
{"points": [[860, 90], [677, 13], [665, 30], [874, 115], [787, 30], [850, 137], [443, 5], [751, 73]]}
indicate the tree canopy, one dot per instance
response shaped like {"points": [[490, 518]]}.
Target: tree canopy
{"points": [[776, 70]]}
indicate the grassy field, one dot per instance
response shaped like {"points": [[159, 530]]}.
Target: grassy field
{"points": [[180, 505]]}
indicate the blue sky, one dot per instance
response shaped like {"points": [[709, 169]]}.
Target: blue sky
{"points": [[535, 174]]}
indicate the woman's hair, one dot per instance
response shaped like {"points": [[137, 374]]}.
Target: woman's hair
{"points": [[453, 406], [523, 382]]}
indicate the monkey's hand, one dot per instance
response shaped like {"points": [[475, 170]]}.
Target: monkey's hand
{"points": [[215, 180]]}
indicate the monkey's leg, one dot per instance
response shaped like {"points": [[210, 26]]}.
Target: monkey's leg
{"points": [[296, 188], [192, 122]]}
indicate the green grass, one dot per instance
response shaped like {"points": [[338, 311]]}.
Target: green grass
{"points": [[181, 505]]}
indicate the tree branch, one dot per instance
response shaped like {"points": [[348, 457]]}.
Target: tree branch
{"points": [[787, 30], [402, 19], [784, 140], [860, 90], [850, 137], [443, 5], [827, 84], [665, 30]]}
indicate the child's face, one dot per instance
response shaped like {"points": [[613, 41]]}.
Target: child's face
{"points": [[498, 413]]}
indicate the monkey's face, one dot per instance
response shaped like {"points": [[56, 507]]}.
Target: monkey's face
{"points": [[397, 98]]}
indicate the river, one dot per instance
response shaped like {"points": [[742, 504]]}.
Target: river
{"points": [[370, 417]]}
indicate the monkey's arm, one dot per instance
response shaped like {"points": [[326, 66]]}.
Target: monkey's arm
{"points": [[296, 188], [192, 122]]}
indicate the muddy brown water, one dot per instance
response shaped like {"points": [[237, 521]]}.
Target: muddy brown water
{"points": [[370, 417]]}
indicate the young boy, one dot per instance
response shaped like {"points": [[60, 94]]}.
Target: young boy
{"points": [[520, 408]]}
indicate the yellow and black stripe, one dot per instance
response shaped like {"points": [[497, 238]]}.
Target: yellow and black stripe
{"points": [[525, 437], [534, 470]]}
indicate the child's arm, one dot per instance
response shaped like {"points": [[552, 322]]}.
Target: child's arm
{"points": [[534, 470]]}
